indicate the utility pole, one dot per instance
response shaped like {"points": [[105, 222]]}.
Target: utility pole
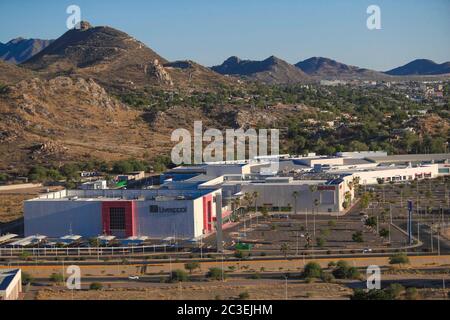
{"points": [[431, 237], [314, 223], [378, 226], [390, 216], [401, 198], [439, 232], [286, 287], [418, 230], [306, 217], [201, 247], [410, 208], [219, 236], [223, 277]]}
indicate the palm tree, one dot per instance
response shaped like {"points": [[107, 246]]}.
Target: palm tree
{"points": [[255, 196], [248, 201], [284, 248], [235, 203], [312, 189]]}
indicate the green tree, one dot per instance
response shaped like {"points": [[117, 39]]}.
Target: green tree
{"points": [[320, 242], [191, 266], [395, 290], [216, 274], [412, 294], [57, 278], [374, 294], [384, 233], [95, 286], [365, 200], [344, 271], [179, 276], [312, 270], [284, 248], [357, 237], [371, 222], [26, 278], [398, 258], [244, 295]]}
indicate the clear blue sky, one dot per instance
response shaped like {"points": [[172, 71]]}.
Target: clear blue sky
{"points": [[209, 31]]}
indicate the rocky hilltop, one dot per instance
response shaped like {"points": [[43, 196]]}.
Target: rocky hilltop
{"points": [[421, 67], [324, 68], [115, 60], [271, 70]]}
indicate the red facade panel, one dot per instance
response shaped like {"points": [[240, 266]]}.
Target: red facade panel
{"points": [[130, 216], [207, 214]]}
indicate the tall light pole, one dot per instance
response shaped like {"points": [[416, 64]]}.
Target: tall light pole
{"points": [[431, 237], [286, 287], [390, 216], [316, 204], [438, 240]]}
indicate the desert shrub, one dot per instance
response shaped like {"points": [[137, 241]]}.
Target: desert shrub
{"points": [[179, 275], [95, 286], [216, 274], [312, 270], [344, 271], [398, 258]]}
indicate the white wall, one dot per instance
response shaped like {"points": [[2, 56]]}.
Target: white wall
{"points": [[162, 225], [281, 196], [371, 177], [55, 218], [14, 289]]}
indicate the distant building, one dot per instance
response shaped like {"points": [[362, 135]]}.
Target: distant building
{"points": [[362, 154], [138, 175], [191, 200], [94, 185], [10, 284], [332, 83], [88, 174]]}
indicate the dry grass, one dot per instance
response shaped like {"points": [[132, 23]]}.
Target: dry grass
{"points": [[11, 202], [273, 290]]}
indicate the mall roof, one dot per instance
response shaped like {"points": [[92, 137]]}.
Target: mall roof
{"points": [[411, 158], [6, 276]]}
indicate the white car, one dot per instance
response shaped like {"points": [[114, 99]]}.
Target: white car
{"points": [[367, 250], [133, 278]]}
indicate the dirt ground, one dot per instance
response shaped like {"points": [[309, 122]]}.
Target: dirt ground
{"points": [[446, 232], [428, 288], [229, 290], [11, 202]]}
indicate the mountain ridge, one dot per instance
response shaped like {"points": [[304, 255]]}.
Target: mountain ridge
{"points": [[326, 68], [115, 59], [271, 70], [19, 49], [421, 67]]}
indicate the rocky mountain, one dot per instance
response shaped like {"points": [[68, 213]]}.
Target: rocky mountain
{"points": [[325, 68], [11, 74], [421, 67], [67, 119], [115, 60], [19, 50], [271, 70]]}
